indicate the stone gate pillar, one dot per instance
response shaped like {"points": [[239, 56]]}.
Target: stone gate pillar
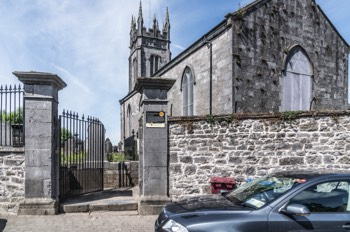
{"points": [[153, 144], [41, 138]]}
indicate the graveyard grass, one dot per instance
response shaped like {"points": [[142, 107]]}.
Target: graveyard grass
{"points": [[72, 158], [116, 157]]}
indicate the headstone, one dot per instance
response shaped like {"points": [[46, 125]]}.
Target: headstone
{"points": [[95, 141], [109, 146]]}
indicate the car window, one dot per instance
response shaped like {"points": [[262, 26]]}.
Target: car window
{"points": [[326, 197], [264, 190]]}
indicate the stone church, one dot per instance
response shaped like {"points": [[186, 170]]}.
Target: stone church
{"points": [[269, 56]]}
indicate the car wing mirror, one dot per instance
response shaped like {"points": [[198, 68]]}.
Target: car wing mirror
{"points": [[296, 210]]}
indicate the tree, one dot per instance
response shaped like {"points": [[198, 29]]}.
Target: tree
{"points": [[15, 117], [65, 135]]}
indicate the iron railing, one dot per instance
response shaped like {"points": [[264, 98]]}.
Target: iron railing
{"points": [[81, 155], [11, 116]]}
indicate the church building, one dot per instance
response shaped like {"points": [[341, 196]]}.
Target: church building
{"points": [[269, 56]]}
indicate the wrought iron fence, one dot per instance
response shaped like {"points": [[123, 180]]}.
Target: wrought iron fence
{"points": [[81, 155], [11, 116]]}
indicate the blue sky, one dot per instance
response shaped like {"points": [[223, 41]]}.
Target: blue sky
{"points": [[86, 43]]}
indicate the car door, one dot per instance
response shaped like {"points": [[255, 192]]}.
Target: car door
{"points": [[329, 209]]}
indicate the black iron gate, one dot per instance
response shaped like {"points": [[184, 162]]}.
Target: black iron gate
{"points": [[81, 155]]}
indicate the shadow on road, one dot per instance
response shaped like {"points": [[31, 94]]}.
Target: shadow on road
{"points": [[2, 224]]}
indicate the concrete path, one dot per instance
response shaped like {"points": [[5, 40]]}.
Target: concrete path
{"points": [[79, 222], [107, 200]]}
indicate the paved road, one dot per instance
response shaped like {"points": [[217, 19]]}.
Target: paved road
{"points": [[80, 222]]}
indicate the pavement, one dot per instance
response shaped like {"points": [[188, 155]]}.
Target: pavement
{"points": [[107, 200], [106, 221], [110, 210]]}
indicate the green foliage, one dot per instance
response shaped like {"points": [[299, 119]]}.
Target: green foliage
{"points": [[65, 135], [72, 158], [13, 117], [212, 119], [241, 13], [290, 115], [115, 157]]}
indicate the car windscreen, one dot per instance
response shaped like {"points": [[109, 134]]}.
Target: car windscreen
{"points": [[262, 191]]}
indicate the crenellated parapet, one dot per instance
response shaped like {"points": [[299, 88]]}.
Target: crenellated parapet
{"points": [[154, 32]]}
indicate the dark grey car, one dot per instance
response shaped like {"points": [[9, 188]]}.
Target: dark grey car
{"points": [[285, 201]]}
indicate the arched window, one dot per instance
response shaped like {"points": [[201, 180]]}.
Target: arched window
{"points": [[134, 70], [297, 85], [154, 63], [187, 92], [151, 64], [129, 118]]}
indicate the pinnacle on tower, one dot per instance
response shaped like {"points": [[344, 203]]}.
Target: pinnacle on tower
{"points": [[140, 20], [154, 21], [167, 21], [166, 25], [167, 15], [155, 28], [132, 23]]}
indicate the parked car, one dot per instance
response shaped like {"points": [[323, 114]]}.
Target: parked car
{"points": [[282, 201]]}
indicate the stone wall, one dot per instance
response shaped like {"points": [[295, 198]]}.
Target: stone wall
{"points": [[131, 120], [121, 174], [243, 146], [199, 62], [262, 38], [12, 171], [249, 60]]}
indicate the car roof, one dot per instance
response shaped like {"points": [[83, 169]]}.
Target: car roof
{"points": [[310, 174]]}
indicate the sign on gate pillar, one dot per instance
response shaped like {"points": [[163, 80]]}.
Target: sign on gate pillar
{"points": [[153, 144], [41, 131]]}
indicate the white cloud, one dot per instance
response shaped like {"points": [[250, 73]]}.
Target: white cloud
{"points": [[86, 43], [181, 48]]}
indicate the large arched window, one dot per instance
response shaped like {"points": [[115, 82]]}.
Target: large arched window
{"points": [[297, 85], [187, 92]]}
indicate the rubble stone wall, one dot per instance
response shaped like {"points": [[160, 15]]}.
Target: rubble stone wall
{"points": [[12, 174], [244, 146]]}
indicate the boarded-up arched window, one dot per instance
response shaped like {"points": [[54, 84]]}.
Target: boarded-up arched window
{"points": [[297, 85], [187, 92]]}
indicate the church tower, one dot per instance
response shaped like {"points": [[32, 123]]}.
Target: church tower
{"points": [[149, 49]]}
